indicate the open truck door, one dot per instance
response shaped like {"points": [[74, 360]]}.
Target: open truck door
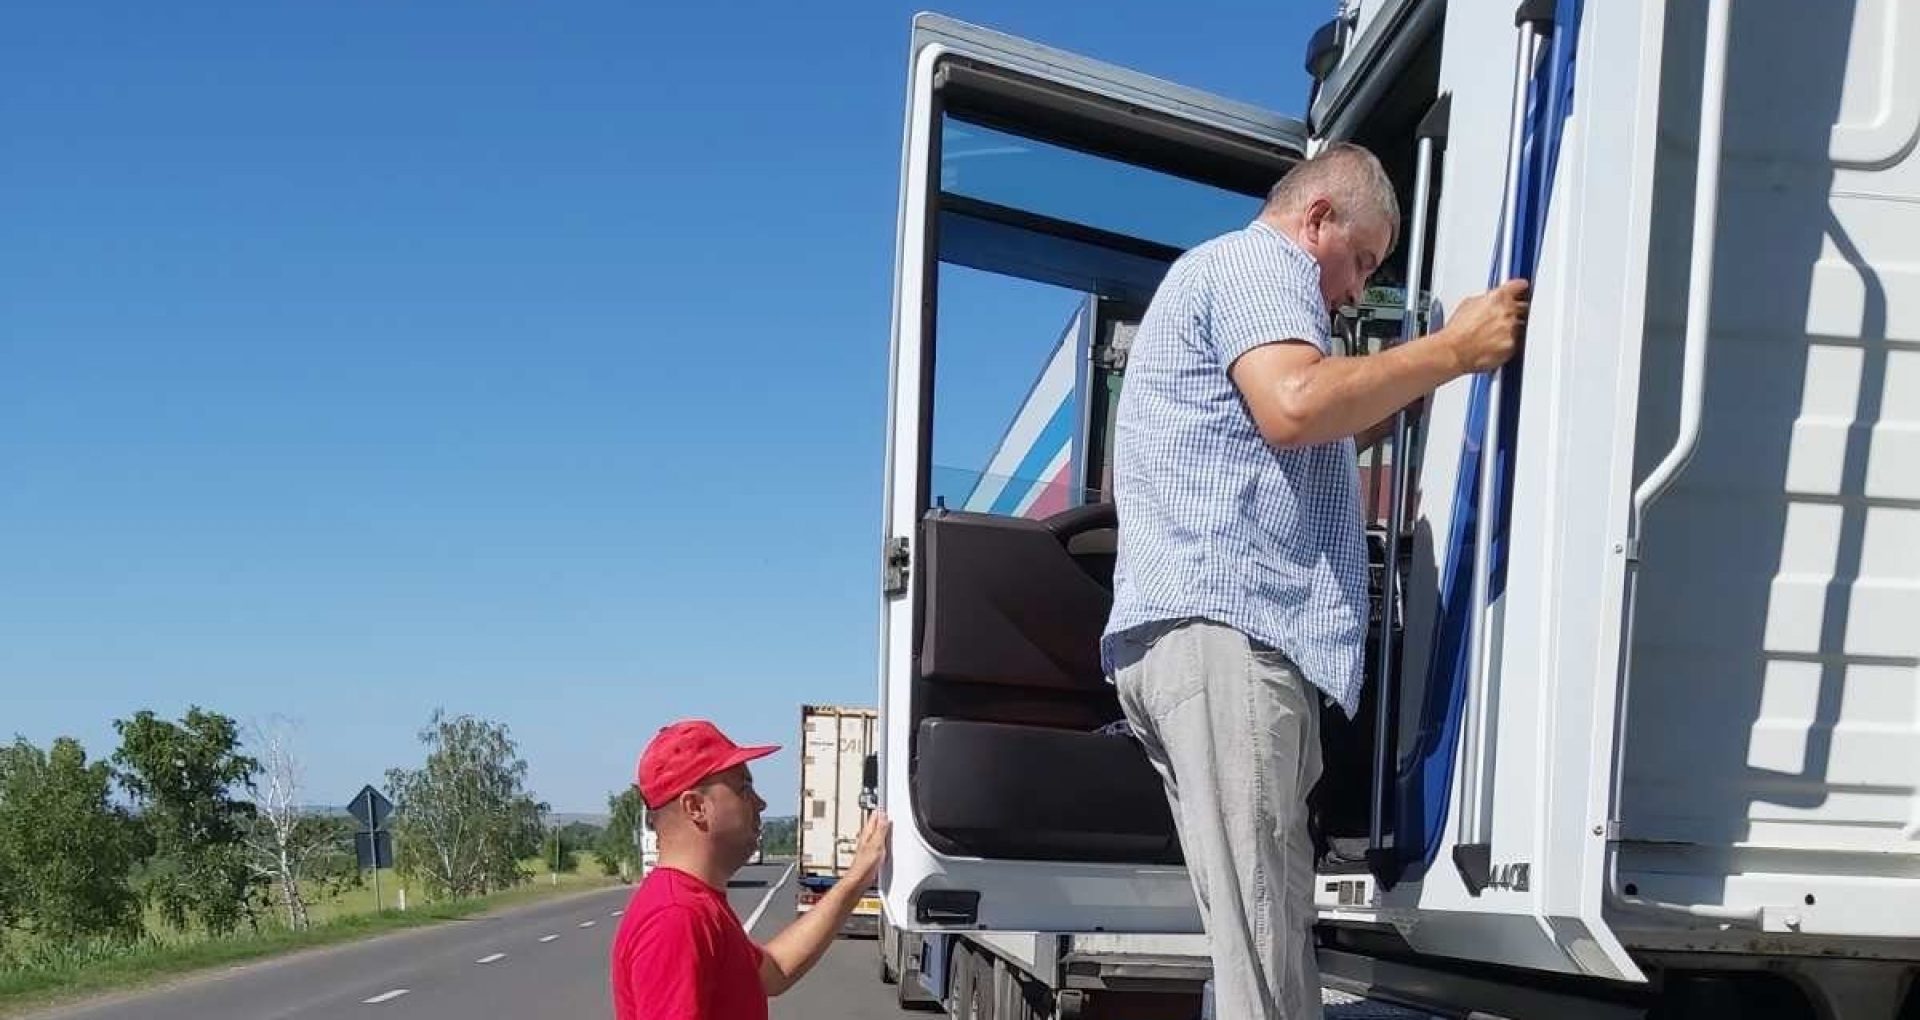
{"points": [[1492, 832], [1043, 197]]}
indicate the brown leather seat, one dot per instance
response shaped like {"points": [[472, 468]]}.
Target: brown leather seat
{"points": [[1007, 763]]}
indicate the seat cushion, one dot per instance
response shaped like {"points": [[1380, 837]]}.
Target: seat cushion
{"points": [[1034, 793]]}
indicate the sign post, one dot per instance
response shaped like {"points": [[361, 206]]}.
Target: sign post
{"points": [[373, 844]]}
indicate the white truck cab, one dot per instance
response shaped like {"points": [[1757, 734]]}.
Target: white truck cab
{"points": [[1643, 719]]}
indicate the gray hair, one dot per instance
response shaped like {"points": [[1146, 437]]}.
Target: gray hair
{"points": [[1348, 177]]}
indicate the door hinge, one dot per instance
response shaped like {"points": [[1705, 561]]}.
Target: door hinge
{"points": [[899, 557]]}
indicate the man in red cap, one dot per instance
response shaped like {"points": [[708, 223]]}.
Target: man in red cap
{"points": [[681, 953]]}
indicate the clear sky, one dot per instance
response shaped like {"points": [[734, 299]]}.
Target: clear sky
{"points": [[528, 360]]}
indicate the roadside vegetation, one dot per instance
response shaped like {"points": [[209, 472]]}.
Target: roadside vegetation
{"points": [[192, 845]]}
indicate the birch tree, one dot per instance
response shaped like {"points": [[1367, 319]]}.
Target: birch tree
{"points": [[463, 820], [289, 848]]}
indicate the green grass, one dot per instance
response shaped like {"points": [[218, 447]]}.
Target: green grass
{"points": [[52, 974], [360, 900]]}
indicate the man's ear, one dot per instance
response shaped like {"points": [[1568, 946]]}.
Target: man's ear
{"points": [[1315, 220]]}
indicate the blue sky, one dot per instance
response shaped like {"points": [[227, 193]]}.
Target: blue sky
{"points": [[527, 360]]}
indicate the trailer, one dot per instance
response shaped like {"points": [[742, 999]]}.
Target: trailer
{"points": [[835, 743], [1641, 733]]}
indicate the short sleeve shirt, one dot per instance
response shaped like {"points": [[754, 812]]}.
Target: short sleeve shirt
{"points": [[1215, 523], [681, 954]]}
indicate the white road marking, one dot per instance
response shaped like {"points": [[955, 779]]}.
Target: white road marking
{"points": [[491, 957], [616, 913], [768, 898], [385, 997], [588, 924], [548, 938]]}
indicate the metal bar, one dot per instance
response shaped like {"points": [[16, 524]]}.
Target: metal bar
{"points": [[1471, 828], [1706, 210], [1693, 382], [1397, 494], [1374, 455], [373, 851]]}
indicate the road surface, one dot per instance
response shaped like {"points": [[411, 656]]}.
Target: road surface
{"points": [[547, 961]]}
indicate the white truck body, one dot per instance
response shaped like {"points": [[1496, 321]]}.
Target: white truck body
{"points": [[835, 742], [1649, 737]]}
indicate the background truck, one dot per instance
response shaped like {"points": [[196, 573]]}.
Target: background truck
{"points": [[649, 849], [834, 745]]}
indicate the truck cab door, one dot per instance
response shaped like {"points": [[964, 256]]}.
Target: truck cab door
{"points": [[1508, 687], [1042, 198]]}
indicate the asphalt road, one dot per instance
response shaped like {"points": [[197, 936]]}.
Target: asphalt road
{"points": [[544, 961], [547, 961]]}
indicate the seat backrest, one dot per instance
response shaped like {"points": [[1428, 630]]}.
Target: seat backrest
{"points": [[1005, 603]]}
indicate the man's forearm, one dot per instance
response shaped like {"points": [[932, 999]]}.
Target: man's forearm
{"points": [[1340, 397], [800, 945]]}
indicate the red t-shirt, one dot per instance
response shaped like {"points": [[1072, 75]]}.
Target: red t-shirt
{"points": [[681, 954]]}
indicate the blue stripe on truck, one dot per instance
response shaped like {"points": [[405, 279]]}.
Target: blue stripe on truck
{"points": [[1425, 780]]}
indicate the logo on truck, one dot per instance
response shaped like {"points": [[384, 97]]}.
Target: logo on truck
{"points": [[1514, 877]]}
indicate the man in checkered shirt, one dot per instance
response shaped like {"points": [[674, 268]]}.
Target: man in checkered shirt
{"points": [[1240, 596]]}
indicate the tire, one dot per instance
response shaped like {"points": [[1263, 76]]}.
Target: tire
{"points": [[965, 984], [1014, 995], [986, 986]]}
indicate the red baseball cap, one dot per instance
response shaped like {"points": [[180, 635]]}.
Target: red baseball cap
{"points": [[683, 754]]}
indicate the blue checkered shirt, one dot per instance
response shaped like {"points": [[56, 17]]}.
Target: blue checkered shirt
{"points": [[1215, 523]]}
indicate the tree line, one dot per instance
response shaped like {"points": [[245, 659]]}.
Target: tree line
{"points": [[197, 825], [617, 847]]}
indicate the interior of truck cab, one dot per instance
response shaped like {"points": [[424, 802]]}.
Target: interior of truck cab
{"points": [[1049, 237]]}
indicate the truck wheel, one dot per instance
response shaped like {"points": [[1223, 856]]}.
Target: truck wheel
{"points": [[1015, 998], [986, 987], [966, 986], [975, 1001]]}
